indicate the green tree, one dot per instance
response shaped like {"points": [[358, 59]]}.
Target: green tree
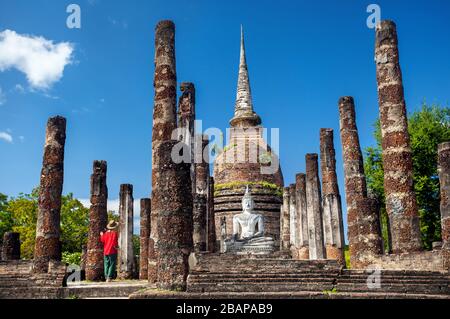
{"points": [[23, 210], [74, 222], [427, 127], [6, 221]]}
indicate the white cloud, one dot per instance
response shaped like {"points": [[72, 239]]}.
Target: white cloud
{"points": [[6, 137], [41, 60], [19, 88], [2, 97]]}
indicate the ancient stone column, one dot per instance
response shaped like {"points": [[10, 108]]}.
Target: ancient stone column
{"points": [[293, 221], [98, 218], [144, 237], [361, 235], [333, 223], [83, 262], [300, 201], [11, 246], [199, 220], [172, 202], [285, 221], [211, 237], [48, 230], [444, 181], [164, 113], [152, 259], [200, 212], [401, 202], [314, 208], [126, 262], [186, 122]]}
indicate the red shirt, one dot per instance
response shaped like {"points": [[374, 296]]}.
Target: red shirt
{"points": [[110, 243]]}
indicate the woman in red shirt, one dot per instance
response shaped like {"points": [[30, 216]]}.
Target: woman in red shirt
{"points": [[110, 246]]}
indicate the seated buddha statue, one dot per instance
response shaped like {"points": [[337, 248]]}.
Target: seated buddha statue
{"points": [[248, 230]]}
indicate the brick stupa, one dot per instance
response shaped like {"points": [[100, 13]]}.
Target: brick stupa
{"points": [[247, 160]]}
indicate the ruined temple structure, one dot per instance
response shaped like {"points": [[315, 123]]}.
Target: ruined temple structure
{"points": [[314, 209], [275, 241], [444, 180], [144, 237], [126, 267], [10, 249], [48, 228], [401, 204], [98, 218], [333, 224], [164, 119], [247, 160], [364, 233]]}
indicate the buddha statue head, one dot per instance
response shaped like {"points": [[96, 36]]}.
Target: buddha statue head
{"points": [[248, 203]]}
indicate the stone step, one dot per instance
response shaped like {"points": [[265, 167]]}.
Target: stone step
{"points": [[263, 275], [279, 286], [394, 287], [156, 294], [194, 280], [31, 293], [355, 273]]}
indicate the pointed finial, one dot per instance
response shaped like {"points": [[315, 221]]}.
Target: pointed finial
{"points": [[244, 116]]}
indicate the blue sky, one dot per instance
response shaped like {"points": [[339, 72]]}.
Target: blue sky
{"points": [[302, 56]]}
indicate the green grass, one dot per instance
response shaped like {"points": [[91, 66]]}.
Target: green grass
{"points": [[347, 257], [275, 189]]}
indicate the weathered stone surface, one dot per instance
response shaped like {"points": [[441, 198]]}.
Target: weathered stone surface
{"points": [[83, 262], [200, 196], [172, 203], [98, 218], [18, 280], [331, 199], [367, 244], [126, 262], [302, 251], [314, 209], [285, 233], [186, 126], [11, 246], [444, 181], [418, 261], [48, 229], [293, 218], [211, 235], [364, 238], [401, 203], [164, 113], [199, 220], [152, 260], [144, 237]]}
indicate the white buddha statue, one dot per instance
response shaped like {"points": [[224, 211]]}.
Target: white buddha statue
{"points": [[248, 230]]}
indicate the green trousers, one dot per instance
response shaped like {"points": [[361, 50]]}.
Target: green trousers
{"points": [[110, 266]]}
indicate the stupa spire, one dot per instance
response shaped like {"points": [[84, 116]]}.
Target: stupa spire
{"points": [[244, 116]]}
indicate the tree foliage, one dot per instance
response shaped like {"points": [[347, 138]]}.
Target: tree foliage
{"points": [[427, 128], [22, 212], [6, 221]]}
